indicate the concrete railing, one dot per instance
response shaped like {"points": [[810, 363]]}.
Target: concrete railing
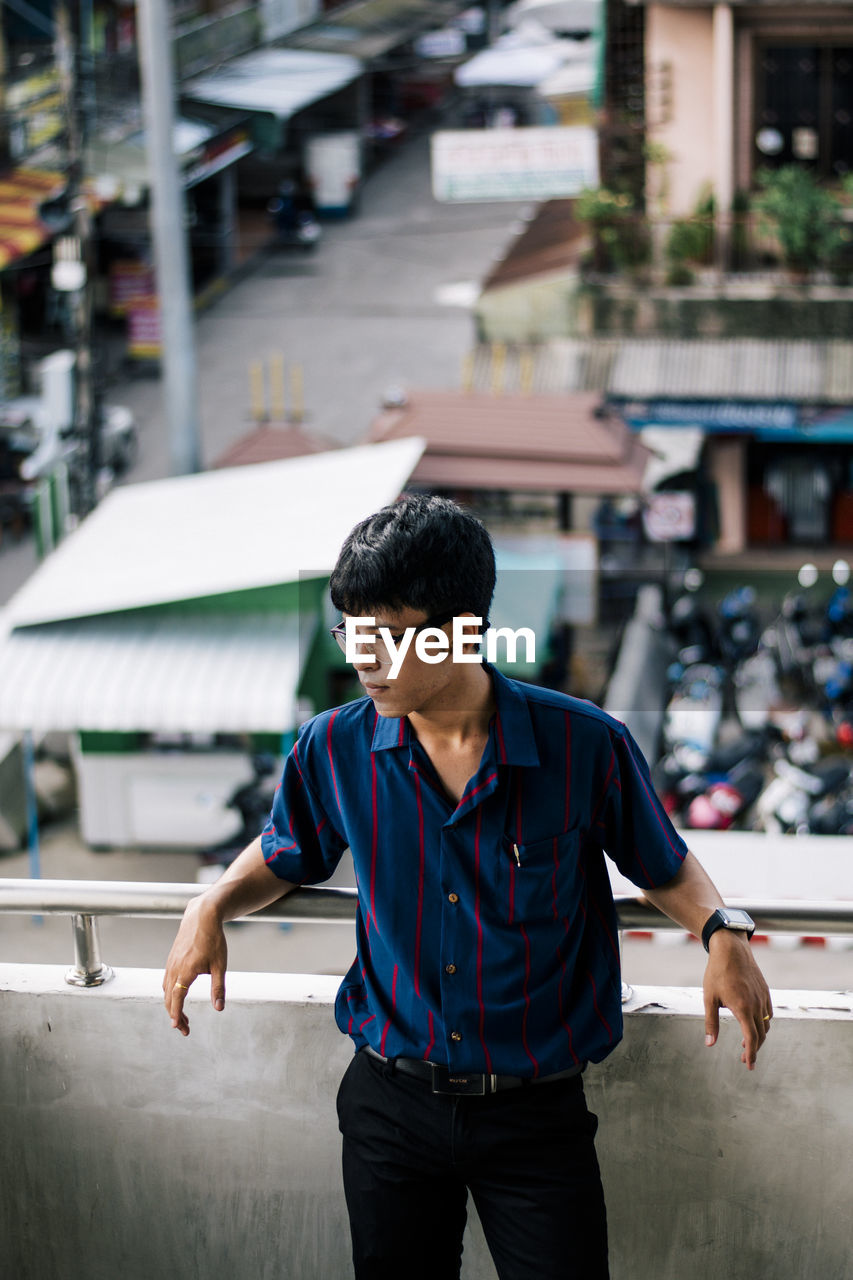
{"points": [[132, 1152]]}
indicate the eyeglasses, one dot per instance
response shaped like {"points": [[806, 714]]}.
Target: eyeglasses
{"points": [[371, 644]]}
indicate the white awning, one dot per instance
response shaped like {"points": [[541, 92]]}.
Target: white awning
{"points": [[155, 672], [126, 163], [278, 81], [557, 15], [575, 79], [522, 58], [218, 532]]}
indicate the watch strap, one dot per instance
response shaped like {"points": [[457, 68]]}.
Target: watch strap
{"points": [[719, 920]]}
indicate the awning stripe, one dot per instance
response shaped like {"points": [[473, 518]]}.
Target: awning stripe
{"points": [[21, 229], [157, 673]]}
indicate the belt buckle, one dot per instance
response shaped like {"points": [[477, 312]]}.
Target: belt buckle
{"points": [[456, 1082]]}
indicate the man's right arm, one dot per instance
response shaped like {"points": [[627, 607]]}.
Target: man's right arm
{"points": [[200, 946]]}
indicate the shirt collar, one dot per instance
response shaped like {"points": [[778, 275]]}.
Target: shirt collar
{"points": [[390, 731], [515, 741], [514, 737]]}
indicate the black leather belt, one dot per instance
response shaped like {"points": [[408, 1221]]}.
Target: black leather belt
{"points": [[443, 1080]]}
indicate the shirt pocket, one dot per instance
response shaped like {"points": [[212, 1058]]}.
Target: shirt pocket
{"points": [[541, 878]]}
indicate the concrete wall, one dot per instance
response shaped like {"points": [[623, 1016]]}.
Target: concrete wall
{"points": [[130, 1152], [531, 310], [680, 119]]}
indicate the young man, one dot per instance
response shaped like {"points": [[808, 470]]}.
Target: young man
{"points": [[478, 810]]}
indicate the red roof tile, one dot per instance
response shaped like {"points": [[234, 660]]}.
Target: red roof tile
{"points": [[517, 442], [269, 444]]}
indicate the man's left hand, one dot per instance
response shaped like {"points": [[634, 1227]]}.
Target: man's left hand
{"points": [[734, 981]]}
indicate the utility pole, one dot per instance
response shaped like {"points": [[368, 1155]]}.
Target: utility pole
{"points": [[168, 223], [74, 268], [4, 123]]}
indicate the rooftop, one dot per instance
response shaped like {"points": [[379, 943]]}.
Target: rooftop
{"points": [[221, 531], [518, 442]]}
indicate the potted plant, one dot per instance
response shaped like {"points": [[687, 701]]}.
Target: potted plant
{"points": [[620, 238], [690, 242], [804, 216]]}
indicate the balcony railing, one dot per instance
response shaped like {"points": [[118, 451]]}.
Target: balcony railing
{"points": [[134, 1152], [85, 900], [695, 250]]}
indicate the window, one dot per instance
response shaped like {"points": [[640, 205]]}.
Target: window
{"points": [[804, 107]]}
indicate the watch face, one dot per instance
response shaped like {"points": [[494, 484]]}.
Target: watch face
{"points": [[737, 919]]}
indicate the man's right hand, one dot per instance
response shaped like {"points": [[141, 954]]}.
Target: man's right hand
{"points": [[246, 886], [199, 947]]}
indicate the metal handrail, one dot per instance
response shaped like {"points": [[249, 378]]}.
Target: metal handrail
{"points": [[140, 898], [85, 900]]}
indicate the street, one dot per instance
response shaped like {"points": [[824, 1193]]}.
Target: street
{"points": [[361, 314]]}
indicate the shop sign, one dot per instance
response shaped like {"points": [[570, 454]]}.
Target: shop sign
{"points": [[217, 155], [670, 517], [143, 330], [539, 163], [34, 107], [131, 282], [713, 415]]}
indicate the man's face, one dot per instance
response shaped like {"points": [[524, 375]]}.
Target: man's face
{"points": [[418, 686]]}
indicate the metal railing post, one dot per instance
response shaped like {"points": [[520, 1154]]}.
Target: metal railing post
{"points": [[627, 989], [88, 970]]}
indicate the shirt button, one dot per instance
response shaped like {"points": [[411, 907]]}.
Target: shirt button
{"points": [[450, 968], [453, 897], [456, 1035]]}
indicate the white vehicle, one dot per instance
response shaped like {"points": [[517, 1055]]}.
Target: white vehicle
{"points": [[333, 167]]}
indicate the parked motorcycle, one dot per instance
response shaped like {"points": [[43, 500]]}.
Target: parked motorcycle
{"points": [[723, 802], [788, 685], [252, 801], [739, 627], [296, 225], [787, 800]]}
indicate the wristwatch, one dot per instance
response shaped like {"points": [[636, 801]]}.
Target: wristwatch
{"points": [[728, 918]]}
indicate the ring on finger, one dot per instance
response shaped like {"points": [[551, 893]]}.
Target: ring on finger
{"points": [[180, 986]]}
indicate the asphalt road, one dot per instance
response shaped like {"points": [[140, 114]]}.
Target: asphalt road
{"points": [[384, 301]]}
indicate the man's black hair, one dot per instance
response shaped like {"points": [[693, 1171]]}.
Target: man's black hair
{"points": [[422, 552]]}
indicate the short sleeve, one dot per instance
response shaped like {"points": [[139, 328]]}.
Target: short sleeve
{"points": [[299, 842], [638, 834]]}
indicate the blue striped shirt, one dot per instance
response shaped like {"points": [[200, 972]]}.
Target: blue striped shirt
{"points": [[486, 932]]}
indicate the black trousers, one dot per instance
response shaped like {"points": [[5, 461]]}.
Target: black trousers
{"points": [[527, 1156]]}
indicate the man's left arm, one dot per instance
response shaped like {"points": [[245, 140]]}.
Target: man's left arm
{"points": [[733, 980]]}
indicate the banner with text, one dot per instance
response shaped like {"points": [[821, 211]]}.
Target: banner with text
{"points": [[514, 164]]}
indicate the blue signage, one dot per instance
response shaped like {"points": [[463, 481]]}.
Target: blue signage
{"points": [[713, 415]]}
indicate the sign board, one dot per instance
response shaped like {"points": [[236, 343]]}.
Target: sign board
{"points": [[143, 330], [35, 112], [670, 517], [217, 155], [540, 163], [131, 282], [713, 415]]}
